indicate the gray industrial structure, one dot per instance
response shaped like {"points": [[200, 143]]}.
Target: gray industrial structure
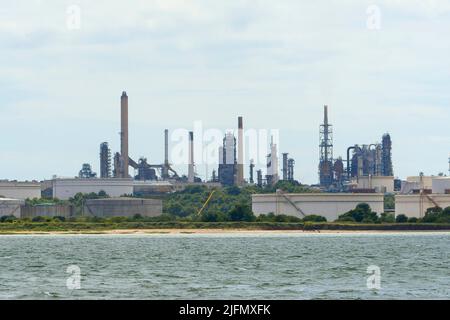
{"points": [[105, 160], [373, 159], [86, 172], [251, 172], [326, 151], [288, 168], [123, 158], [227, 160], [240, 162], [122, 161], [365, 160]]}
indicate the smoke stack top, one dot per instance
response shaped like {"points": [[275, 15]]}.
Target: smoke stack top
{"points": [[240, 125]]}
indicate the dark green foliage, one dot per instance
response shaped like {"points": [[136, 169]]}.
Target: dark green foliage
{"points": [[282, 218], [241, 212], [40, 219], [401, 218], [387, 218], [314, 218], [42, 201], [362, 213], [389, 202], [78, 199], [432, 215], [287, 186], [413, 220], [233, 190], [59, 218], [9, 218], [213, 217]]}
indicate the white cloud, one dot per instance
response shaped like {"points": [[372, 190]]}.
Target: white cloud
{"points": [[276, 63]]}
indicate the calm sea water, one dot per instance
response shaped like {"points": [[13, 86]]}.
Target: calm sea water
{"points": [[226, 266]]}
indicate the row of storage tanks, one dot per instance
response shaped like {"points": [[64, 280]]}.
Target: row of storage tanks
{"points": [[13, 195], [409, 202]]}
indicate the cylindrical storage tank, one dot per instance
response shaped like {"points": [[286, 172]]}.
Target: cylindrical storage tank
{"points": [[123, 207]]}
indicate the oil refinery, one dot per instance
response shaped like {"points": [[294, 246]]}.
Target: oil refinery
{"points": [[364, 175]]}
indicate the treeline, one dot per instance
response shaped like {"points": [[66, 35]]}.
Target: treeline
{"points": [[227, 204]]}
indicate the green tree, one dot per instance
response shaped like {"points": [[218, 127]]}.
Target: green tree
{"points": [[432, 214], [386, 217], [241, 212], [314, 218], [401, 218], [362, 213]]}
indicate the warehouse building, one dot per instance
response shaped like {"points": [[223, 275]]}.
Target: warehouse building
{"points": [[328, 205], [20, 189]]}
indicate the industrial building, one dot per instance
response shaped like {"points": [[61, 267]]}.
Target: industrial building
{"points": [[227, 160], [122, 207], [20, 189], [422, 193], [379, 184], [328, 205], [414, 184], [373, 159], [64, 189]]}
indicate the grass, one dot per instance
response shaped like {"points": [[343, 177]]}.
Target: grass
{"points": [[92, 227]]}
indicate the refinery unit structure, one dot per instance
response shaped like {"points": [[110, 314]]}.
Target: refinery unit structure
{"points": [[364, 166], [366, 175]]}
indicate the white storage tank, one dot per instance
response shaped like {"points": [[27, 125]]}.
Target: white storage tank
{"points": [[10, 207]]}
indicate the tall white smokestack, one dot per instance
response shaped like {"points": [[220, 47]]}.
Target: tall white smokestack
{"points": [[240, 162], [191, 157]]}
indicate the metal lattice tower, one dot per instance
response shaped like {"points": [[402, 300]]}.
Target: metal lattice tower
{"points": [[326, 151]]}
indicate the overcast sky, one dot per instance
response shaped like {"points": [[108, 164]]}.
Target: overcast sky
{"points": [[382, 68]]}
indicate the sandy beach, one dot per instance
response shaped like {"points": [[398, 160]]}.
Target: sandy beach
{"points": [[212, 231]]}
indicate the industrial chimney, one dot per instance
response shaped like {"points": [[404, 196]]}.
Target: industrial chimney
{"points": [[165, 170], [124, 134], [240, 164], [191, 157]]}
